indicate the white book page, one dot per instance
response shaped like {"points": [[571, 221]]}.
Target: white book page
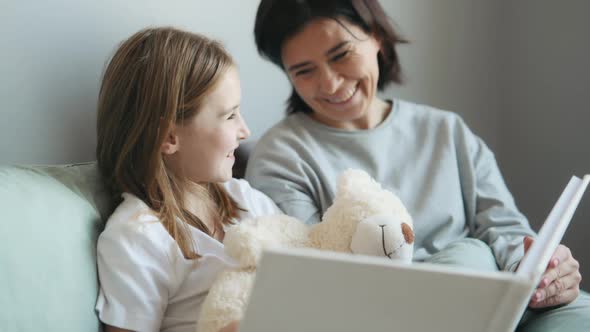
{"points": [[535, 262]]}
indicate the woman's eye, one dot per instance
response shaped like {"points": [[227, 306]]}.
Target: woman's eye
{"points": [[340, 55], [303, 72]]}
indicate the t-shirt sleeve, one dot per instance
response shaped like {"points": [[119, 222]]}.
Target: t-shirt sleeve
{"points": [[135, 278], [255, 202]]}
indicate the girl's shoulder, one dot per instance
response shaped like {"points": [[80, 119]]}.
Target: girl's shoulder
{"points": [[250, 199], [134, 221]]}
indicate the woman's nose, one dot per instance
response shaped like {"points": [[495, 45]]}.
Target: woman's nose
{"points": [[329, 81]]}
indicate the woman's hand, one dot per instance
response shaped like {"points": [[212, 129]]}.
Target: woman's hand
{"points": [[560, 283], [231, 327]]}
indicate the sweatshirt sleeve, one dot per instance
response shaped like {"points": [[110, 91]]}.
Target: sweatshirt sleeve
{"points": [[492, 213], [278, 168]]}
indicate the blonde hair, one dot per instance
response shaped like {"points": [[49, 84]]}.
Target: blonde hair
{"points": [[156, 78]]}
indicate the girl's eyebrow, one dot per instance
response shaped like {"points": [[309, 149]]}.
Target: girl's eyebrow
{"points": [[332, 50], [231, 109]]}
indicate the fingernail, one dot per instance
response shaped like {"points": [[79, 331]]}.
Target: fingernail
{"points": [[542, 283]]}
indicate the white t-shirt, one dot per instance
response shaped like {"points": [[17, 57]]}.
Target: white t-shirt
{"points": [[146, 284]]}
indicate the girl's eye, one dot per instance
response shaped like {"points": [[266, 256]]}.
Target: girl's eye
{"points": [[231, 116], [340, 55]]}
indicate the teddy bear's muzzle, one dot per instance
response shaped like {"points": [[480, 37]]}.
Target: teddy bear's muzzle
{"points": [[384, 235]]}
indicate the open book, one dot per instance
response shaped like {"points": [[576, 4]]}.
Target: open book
{"points": [[310, 290]]}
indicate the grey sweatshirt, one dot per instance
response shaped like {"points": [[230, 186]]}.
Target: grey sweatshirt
{"points": [[445, 175]]}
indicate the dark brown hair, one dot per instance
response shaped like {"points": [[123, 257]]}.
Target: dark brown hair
{"points": [[278, 20], [156, 78]]}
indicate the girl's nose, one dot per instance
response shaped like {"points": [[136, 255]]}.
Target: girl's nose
{"points": [[244, 130]]}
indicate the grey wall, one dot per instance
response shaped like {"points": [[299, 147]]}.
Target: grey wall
{"points": [[53, 53], [451, 60], [545, 117], [517, 71]]}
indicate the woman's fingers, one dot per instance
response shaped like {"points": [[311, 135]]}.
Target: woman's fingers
{"points": [[560, 283], [564, 297], [565, 269], [558, 286], [528, 241]]}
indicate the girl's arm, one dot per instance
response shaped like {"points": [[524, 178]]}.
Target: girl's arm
{"points": [[135, 275]]}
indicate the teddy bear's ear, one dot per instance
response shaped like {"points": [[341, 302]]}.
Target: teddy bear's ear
{"points": [[354, 180]]}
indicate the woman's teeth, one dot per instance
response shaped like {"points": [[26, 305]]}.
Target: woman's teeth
{"points": [[343, 98]]}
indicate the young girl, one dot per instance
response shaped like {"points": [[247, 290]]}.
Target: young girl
{"points": [[168, 125]]}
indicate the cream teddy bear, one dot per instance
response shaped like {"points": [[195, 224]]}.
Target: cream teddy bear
{"points": [[364, 219], [245, 242]]}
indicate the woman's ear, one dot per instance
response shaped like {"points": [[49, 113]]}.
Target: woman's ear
{"points": [[171, 143], [379, 42]]}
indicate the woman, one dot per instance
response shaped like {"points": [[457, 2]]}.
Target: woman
{"points": [[168, 125], [337, 54]]}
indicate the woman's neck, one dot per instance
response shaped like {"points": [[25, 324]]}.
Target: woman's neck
{"points": [[377, 113]]}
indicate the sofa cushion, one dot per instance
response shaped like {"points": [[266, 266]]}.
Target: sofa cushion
{"points": [[50, 218]]}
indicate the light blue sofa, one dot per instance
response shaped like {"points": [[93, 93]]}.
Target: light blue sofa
{"points": [[50, 218]]}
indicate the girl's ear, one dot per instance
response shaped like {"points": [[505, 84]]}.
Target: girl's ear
{"points": [[172, 143]]}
